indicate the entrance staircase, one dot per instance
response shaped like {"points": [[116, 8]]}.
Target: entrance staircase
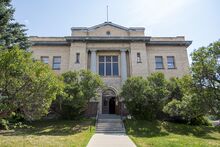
{"points": [[109, 123]]}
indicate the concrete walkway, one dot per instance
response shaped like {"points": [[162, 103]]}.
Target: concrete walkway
{"points": [[110, 140]]}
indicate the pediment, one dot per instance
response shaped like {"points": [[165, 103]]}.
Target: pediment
{"points": [[107, 29]]}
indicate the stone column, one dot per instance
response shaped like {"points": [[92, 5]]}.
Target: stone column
{"points": [[93, 61], [123, 65]]}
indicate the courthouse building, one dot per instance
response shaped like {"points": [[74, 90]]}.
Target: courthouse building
{"points": [[115, 53]]}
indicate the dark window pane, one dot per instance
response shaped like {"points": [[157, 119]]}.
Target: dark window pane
{"points": [[170, 62], [158, 59], [56, 66], [45, 60], [57, 60], [170, 59], [108, 58], [159, 62], [101, 58], [115, 69], [115, 58], [138, 57], [159, 65], [77, 57], [170, 65], [108, 69], [101, 69]]}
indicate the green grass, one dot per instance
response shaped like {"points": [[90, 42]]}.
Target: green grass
{"points": [[166, 134], [50, 133]]}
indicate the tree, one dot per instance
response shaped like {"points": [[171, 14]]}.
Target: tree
{"points": [[28, 86], [144, 98], [11, 33], [184, 105], [80, 88], [206, 76]]}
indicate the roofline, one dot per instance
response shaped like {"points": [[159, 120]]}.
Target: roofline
{"points": [[146, 39], [50, 43], [105, 38], [170, 43], [108, 23]]}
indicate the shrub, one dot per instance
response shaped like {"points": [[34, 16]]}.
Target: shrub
{"points": [[80, 87], [4, 124], [144, 98], [28, 86]]}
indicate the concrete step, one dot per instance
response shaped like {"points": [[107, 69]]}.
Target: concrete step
{"points": [[109, 116], [121, 132], [110, 129], [108, 123], [110, 126], [109, 120]]}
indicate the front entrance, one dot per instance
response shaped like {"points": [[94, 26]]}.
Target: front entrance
{"points": [[108, 102], [112, 106]]}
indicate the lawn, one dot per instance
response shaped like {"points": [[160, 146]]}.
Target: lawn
{"points": [[166, 134], [50, 133]]}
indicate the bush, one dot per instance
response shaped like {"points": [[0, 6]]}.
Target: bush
{"points": [[187, 107], [4, 124], [144, 98], [80, 87], [28, 86]]}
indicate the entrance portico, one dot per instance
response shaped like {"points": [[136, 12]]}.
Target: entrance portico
{"points": [[109, 102]]}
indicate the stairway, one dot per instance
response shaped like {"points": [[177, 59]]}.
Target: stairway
{"points": [[109, 123]]}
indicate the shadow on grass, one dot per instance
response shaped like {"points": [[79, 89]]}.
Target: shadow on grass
{"points": [[53, 128], [141, 128]]}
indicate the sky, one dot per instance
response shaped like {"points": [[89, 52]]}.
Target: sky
{"points": [[197, 20]]}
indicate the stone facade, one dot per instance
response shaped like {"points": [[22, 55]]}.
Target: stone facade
{"points": [[135, 52]]}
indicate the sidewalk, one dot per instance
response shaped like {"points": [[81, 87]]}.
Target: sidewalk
{"points": [[110, 140]]}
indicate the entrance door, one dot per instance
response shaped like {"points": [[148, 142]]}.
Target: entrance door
{"points": [[105, 105], [112, 106], [108, 102]]}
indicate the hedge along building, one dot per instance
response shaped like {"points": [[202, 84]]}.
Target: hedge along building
{"points": [[115, 53]]}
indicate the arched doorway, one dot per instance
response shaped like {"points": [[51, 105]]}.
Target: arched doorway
{"points": [[108, 102]]}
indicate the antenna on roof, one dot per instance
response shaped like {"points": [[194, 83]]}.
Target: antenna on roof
{"points": [[107, 13]]}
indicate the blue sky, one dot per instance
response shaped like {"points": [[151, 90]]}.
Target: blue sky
{"points": [[197, 20]]}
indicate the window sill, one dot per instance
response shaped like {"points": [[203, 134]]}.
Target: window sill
{"points": [[171, 68], [110, 76], [56, 68], [159, 68]]}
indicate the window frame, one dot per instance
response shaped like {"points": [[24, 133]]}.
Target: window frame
{"points": [[77, 58], [56, 62], [159, 62], [174, 63], [105, 62], [41, 59], [139, 57]]}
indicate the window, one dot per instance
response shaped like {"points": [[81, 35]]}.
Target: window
{"points": [[108, 66], [108, 33], [45, 59], [77, 57], [218, 59], [138, 57], [170, 62], [56, 62], [159, 62]]}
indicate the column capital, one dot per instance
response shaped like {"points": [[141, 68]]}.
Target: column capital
{"points": [[93, 50], [123, 50]]}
